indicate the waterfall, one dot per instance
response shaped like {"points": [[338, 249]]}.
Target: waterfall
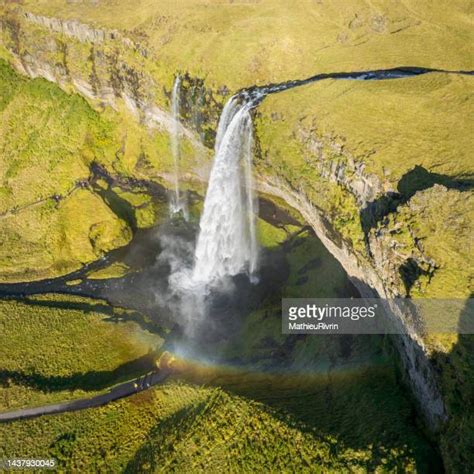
{"points": [[230, 109], [227, 242], [178, 200]]}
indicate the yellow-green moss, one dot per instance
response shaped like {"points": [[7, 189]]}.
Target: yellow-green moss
{"points": [[443, 222], [186, 427], [385, 128], [269, 235], [52, 239], [51, 222], [116, 270]]}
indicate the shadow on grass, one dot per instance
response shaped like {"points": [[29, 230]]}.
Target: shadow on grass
{"points": [[368, 411], [113, 315], [88, 381], [119, 206], [417, 179], [339, 416], [163, 438]]}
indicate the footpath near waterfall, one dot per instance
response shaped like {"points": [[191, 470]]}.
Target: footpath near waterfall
{"points": [[169, 171]]}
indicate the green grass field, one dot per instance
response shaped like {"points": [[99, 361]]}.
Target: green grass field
{"points": [[413, 137], [403, 135], [52, 352], [234, 43], [390, 125], [252, 423], [49, 225], [346, 411]]}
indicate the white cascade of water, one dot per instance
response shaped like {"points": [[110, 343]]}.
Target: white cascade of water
{"points": [[230, 109], [227, 242], [178, 199]]}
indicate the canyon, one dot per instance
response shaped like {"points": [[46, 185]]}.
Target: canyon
{"points": [[369, 180]]}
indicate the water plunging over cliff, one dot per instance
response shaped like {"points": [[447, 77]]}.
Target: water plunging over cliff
{"points": [[230, 109], [227, 242], [178, 199]]}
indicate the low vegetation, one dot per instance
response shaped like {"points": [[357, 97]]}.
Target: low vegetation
{"points": [[253, 423], [388, 126], [61, 347], [347, 412], [386, 132], [51, 239], [382, 133], [52, 219], [234, 43], [442, 221], [411, 138]]}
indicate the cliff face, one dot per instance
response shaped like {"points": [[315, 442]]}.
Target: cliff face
{"points": [[363, 163], [389, 191], [388, 188], [101, 65], [368, 157]]}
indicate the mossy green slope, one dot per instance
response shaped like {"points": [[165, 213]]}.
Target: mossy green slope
{"points": [[52, 219], [51, 223], [442, 221], [389, 126], [44, 137], [52, 239], [412, 137]]}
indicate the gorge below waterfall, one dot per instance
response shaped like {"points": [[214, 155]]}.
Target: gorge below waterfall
{"points": [[226, 243], [161, 198], [194, 271]]}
